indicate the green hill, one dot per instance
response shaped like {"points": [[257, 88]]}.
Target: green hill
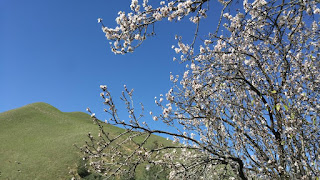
{"points": [[36, 141]]}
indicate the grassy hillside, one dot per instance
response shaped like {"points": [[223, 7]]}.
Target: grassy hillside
{"points": [[36, 141]]}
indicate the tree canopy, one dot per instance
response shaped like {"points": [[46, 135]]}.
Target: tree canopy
{"points": [[247, 106]]}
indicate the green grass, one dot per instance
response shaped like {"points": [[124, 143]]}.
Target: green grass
{"points": [[36, 141]]}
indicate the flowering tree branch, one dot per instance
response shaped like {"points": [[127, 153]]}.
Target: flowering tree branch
{"points": [[249, 100]]}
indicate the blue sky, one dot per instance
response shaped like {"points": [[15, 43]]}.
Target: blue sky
{"points": [[55, 52]]}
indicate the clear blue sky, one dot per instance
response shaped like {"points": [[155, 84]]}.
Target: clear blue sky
{"points": [[55, 52]]}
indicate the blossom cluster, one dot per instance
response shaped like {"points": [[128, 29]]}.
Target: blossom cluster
{"points": [[132, 26]]}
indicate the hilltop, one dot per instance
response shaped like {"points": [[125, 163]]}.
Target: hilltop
{"points": [[36, 141]]}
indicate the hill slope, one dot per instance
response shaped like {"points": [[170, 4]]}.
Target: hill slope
{"points": [[36, 141]]}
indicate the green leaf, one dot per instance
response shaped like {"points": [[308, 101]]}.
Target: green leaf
{"points": [[274, 91], [286, 107], [292, 116], [278, 107]]}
